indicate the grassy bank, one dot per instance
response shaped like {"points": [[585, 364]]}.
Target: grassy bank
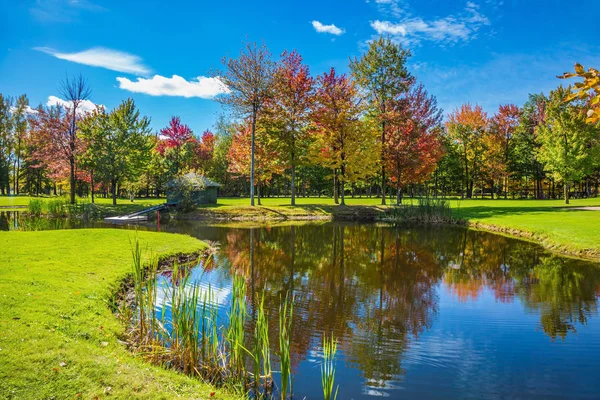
{"points": [[565, 229], [58, 338]]}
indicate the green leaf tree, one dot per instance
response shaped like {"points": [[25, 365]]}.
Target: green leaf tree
{"points": [[118, 142], [568, 145], [382, 74]]}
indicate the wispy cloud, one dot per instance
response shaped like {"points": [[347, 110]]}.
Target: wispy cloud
{"points": [[62, 10], [332, 29], [494, 82], [101, 57], [450, 30], [85, 106], [202, 86]]}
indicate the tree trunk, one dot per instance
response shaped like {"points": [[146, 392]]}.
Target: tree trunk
{"points": [[383, 194], [293, 181], [72, 178], [566, 192], [335, 187], [252, 158], [92, 183], [258, 193], [398, 196], [342, 186], [113, 189]]}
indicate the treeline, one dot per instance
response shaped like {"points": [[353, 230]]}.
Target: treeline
{"points": [[373, 132]]}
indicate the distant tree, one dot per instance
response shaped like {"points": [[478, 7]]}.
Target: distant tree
{"points": [[19, 117], [381, 72], [525, 161], [499, 143], [267, 159], [119, 142], [344, 143], [204, 152], [248, 79], [413, 146], [177, 144], [466, 126], [50, 142], [224, 132], [588, 89], [568, 146], [287, 114], [5, 143], [75, 90]]}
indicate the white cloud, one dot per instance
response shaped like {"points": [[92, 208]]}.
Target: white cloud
{"points": [[85, 106], [101, 57], [332, 29], [202, 86], [452, 29]]}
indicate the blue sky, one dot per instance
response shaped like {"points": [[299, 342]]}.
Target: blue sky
{"points": [[488, 52]]}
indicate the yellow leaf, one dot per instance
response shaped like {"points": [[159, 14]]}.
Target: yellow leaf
{"points": [[579, 69]]}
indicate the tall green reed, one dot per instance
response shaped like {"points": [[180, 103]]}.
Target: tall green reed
{"points": [[262, 352], [235, 332], [328, 368], [35, 207], [286, 311]]}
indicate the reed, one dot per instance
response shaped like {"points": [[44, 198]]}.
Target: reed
{"points": [[35, 207], [235, 332], [328, 368], [286, 311], [262, 352]]}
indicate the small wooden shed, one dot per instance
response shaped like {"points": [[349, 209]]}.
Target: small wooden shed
{"points": [[203, 190]]}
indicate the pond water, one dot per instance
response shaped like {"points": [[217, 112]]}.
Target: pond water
{"points": [[434, 312]]}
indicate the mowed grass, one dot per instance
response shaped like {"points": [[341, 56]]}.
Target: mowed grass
{"points": [[58, 338]]}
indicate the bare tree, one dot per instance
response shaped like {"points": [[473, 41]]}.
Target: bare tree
{"points": [[75, 90], [248, 79]]}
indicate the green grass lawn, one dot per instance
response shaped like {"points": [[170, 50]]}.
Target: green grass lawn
{"points": [[58, 338]]}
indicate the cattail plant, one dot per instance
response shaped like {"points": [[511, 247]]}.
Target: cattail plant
{"points": [[286, 311], [328, 368]]}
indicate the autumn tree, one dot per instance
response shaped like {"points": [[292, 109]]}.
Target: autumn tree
{"points": [[75, 90], [344, 143], [498, 144], [267, 162], [248, 80], [568, 146], [466, 126], [381, 72], [119, 142], [50, 142], [413, 146], [177, 144], [287, 114], [204, 152]]}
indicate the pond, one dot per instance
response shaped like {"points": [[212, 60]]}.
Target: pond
{"points": [[436, 312]]}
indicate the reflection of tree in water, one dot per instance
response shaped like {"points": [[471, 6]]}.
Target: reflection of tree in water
{"points": [[374, 288], [563, 291]]}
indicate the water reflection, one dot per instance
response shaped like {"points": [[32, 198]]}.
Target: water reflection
{"points": [[378, 289]]}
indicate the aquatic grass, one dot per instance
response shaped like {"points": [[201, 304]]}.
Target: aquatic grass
{"points": [[328, 368], [262, 352], [235, 332], [286, 311], [426, 210], [35, 207]]}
